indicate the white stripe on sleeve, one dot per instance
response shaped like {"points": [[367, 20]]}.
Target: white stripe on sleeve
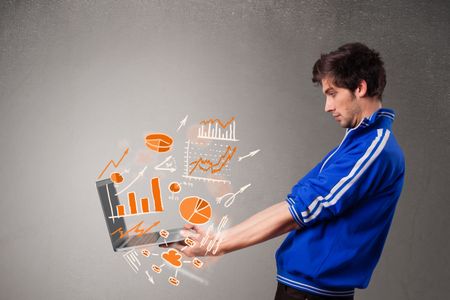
{"points": [[349, 185], [343, 180]]}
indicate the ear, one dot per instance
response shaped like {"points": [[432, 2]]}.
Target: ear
{"points": [[361, 89]]}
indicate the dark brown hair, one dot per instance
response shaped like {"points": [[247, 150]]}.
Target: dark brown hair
{"points": [[350, 64]]}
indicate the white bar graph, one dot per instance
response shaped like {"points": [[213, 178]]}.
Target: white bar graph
{"points": [[216, 133]]}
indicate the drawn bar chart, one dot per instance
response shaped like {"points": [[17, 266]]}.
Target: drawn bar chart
{"points": [[134, 210], [214, 129], [144, 205], [157, 195]]}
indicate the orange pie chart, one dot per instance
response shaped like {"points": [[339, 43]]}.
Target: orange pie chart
{"points": [[195, 210], [158, 142]]}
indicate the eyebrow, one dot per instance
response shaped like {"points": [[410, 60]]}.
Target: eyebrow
{"points": [[328, 90]]}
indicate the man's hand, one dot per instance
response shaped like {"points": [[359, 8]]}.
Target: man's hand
{"points": [[267, 224], [203, 245]]}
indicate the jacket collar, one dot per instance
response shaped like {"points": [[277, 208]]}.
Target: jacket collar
{"points": [[386, 115]]}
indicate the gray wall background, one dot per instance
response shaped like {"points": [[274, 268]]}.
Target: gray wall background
{"points": [[80, 79]]}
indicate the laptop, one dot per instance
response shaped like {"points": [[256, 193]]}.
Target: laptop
{"points": [[109, 201]]}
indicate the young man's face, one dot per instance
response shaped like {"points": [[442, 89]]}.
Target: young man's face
{"points": [[342, 104]]}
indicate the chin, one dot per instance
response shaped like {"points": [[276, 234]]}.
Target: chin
{"points": [[342, 124]]}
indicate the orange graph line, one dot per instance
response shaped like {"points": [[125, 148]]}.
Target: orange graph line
{"points": [[212, 121], [136, 228], [112, 162], [205, 164]]}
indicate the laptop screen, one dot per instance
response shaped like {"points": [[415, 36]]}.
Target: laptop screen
{"points": [[109, 200]]}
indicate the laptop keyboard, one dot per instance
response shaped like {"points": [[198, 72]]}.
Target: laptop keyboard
{"points": [[136, 240]]}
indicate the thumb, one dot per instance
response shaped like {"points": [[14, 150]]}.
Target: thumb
{"points": [[189, 226]]}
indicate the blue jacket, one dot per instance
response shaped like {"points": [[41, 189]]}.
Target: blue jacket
{"points": [[344, 207]]}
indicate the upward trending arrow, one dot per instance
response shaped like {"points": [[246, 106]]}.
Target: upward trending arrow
{"points": [[182, 123], [114, 164], [253, 153], [141, 173]]}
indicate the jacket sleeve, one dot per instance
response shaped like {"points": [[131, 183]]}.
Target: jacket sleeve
{"points": [[340, 185]]}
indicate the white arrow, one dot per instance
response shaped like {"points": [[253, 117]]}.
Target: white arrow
{"points": [[253, 153], [141, 173], [182, 123], [150, 278]]}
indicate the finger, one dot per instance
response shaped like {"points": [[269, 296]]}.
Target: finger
{"points": [[189, 226], [195, 228], [199, 230], [189, 234], [186, 251], [179, 247], [170, 245]]}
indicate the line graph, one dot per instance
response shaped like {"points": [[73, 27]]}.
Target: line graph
{"points": [[136, 229], [215, 129], [114, 164], [207, 165], [212, 121], [211, 163]]}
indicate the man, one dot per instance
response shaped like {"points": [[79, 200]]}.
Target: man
{"points": [[339, 214]]}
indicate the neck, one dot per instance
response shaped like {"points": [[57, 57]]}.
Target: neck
{"points": [[368, 107]]}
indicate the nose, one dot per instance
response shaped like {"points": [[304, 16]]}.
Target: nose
{"points": [[329, 107]]}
